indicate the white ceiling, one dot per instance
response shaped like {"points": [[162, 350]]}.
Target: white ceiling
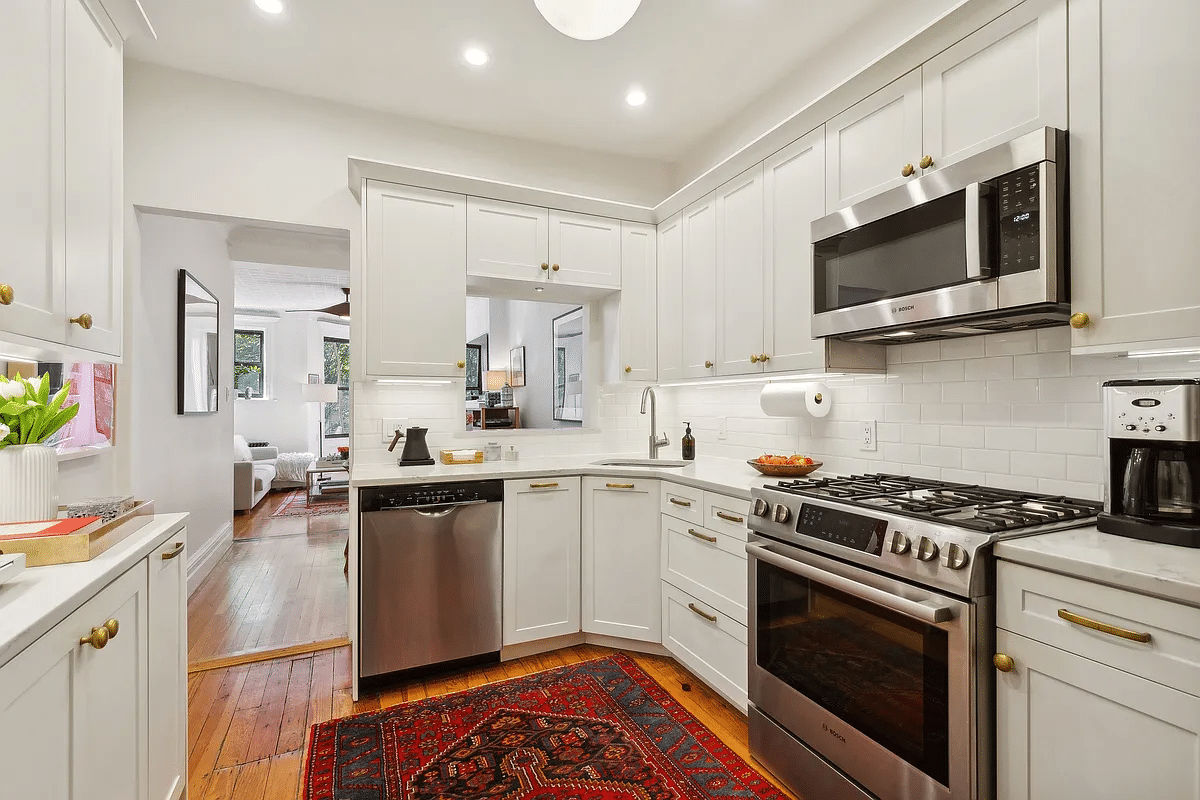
{"points": [[270, 287], [700, 61]]}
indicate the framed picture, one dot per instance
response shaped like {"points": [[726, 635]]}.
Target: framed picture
{"points": [[475, 370], [516, 369]]}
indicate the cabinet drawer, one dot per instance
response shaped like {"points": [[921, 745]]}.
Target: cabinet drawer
{"points": [[1032, 603], [707, 642], [726, 514], [683, 502], [706, 564]]}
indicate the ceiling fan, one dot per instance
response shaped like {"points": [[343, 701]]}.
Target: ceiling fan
{"points": [[341, 309]]}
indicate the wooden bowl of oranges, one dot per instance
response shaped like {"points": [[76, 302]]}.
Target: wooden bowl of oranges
{"points": [[784, 466]]}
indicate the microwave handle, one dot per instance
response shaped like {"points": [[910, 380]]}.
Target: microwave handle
{"points": [[978, 266], [925, 611]]}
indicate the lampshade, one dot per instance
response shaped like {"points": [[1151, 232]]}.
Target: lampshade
{"points": [[496, 378], [587, 19], [320, 392]]}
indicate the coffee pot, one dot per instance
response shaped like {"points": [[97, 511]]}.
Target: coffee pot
{"points": [[416, 451]]}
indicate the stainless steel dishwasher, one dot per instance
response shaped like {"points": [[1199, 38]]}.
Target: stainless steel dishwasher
{"points": [[430, 570]]}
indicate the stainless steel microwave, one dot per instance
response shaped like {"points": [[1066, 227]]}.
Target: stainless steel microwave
{"points": [[975, 247]]}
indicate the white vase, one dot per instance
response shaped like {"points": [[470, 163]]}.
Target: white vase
{"points": [[28, 483]]}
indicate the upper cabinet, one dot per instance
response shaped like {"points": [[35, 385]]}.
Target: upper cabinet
{"points": [[1134, 236], [61, 214], [739, 268], [698, 331], [638, 340], [670, 298], [415, 257], [585, 250]]}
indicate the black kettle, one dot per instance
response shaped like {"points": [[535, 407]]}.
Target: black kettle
{"points": [[416, 451]]}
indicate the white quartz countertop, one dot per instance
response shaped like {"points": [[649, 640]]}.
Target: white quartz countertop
{"points": [[41, 597], [1161, 570], [724, 475]]}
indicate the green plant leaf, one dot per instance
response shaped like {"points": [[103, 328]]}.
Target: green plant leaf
{"points": [[43, 392], [58, 420], [15, 408]]}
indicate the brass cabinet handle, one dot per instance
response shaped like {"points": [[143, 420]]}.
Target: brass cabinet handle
{"points": [[709, 617], [98, 638], [6, 294], [764, 358], [754, 359], [731, 518], [543, 486], [174, 553], [1003, 663], [699, 535], [1104, 627], [83, 320], [1080, 320], [462, 364], [907, 170], [708, 365], [555, 267], [112, 626], [926, 162], [545, 267], [628, 370], [684, 503], [619, 485]]}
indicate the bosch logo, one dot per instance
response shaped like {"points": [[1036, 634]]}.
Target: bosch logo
{"points": [[825, 727], [900, 309]]}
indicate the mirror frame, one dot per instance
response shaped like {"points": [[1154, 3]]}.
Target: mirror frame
{"points": [[181, 346]]}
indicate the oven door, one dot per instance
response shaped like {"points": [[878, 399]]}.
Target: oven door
{"points": [[872, 673]]}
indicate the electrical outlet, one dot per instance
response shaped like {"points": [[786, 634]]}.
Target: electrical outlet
{"points": [[723, 428], [390, 426], [868, 440]]}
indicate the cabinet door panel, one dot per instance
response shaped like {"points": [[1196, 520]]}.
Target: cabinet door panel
{"points": [[639, 302], [1071, 727], [168, 669], [93, 223], [586, 249], [740, 274], [506, 240], [415, 280], [1006, 79], [869, 143], [621, 582], [541, 559], [698, 290], [670, 299], [36, 719]]}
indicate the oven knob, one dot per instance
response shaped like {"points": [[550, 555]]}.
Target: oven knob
{"points": [[927, 549], [1160, 428], [1131, 427], [954, 557], [760, 507], [900, 543], [782, 514]]}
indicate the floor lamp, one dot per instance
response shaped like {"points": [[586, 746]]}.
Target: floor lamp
{"points": [[320, 393]]}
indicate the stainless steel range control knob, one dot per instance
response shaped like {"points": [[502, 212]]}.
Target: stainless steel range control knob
{"points": [[954, 557], [760, 507], [781, 514], [927, 549], [900, 543], [1131, 427], [1160, 428]]}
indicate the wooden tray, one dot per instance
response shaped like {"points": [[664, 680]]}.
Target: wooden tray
{"points": [[82, 545], [447, 457]]}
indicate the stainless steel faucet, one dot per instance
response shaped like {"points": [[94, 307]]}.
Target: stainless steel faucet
{"points": [[656, 442]]}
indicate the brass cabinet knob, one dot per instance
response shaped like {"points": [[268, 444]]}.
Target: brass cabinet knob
{"points": [[708, 365], [112, 626], [1003, 663], [98, 638], [462, 364], [6, 294], [555, 267], [926, 162], [84, 321], [764, 358], [907, 170], [1080, 320], [545, 267], [628, 370], [754, 359]]}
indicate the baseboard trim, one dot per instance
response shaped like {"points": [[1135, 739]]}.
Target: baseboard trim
{"points": [[266, 654], [618, 643], [207, 557], [515, 651]]}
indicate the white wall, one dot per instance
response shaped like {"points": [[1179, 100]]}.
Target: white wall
{"points": [[282, 418]]}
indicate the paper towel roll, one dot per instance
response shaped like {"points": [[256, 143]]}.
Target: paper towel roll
{"points": [[795, 399]]}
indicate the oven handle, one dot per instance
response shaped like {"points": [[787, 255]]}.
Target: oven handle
{"points": [[925, 611], [975, 266]]}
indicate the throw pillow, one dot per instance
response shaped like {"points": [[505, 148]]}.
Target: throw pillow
{"points": [[241, 450]]}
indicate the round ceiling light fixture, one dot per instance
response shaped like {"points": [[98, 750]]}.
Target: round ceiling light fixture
{"points": [[636, 97], [587, 20], [476, 56], [270, 6]]}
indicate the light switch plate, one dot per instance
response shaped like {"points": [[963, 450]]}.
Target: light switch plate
{"points": [[390, 426], [868, 439], [723, 428]]}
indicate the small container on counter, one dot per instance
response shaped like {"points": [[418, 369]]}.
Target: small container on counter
{"points": [[511, 453], [689, 444], [491, 451]]}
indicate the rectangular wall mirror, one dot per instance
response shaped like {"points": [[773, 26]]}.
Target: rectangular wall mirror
{"points": [[199, 347], [567, 347]]}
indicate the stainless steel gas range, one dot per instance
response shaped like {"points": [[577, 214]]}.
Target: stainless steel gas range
{"points": [[872, 625]]}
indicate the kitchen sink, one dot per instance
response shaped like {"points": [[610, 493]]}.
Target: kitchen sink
{"points": [[640, 462]]}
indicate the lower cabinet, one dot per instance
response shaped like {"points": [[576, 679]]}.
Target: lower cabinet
{"points": [[620, 558], [708, 642], [168, 669], [541, 559]]}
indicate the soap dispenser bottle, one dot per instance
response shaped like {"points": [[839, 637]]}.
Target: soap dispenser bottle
{"points": [[689, 444]]}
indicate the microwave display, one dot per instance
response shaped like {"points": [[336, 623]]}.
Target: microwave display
{"points": [[1020, 233]]}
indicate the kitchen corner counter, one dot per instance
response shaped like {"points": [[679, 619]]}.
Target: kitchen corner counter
{"points": [[723, 475], [1160, 570], [41, 597]]}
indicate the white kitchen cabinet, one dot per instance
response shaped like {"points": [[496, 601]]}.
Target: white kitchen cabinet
{"points": [[584, 250], [698, 293], [168, 689], [1068, 726], [507, 240], [414, 281], [708, 642], [739, 274], [708, 565], [670, 298], [1134, 236], [541, 559], [1004, 80], [869, 145], [620, 565], [638, 340]]}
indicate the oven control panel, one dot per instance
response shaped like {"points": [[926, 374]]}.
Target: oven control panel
{"points": [[842, 527]]}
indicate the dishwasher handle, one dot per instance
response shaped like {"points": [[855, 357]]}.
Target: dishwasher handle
{"points": [[437, 509]]}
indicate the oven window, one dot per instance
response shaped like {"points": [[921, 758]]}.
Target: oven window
{"points": [[914, 251], [880, 672]]}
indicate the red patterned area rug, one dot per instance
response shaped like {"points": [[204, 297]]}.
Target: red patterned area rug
{"points": [[296, 506], [599, 730]]}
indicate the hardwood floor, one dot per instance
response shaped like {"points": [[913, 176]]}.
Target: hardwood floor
{"points": [[258, 523], [248, 725]]}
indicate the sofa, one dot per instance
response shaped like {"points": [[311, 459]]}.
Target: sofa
{"points": [[254, 477]]}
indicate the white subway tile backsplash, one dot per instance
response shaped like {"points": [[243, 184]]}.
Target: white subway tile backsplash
{"points": [[1042, 365], [1022, 391], [966, 347], [995, 461], [1084, 415], [920, 434], [1082, 491], [900, 412], [965, 392], [920, 351], [1068, 442], [1037, 415], [906, 373], [1002, 344], [987, 369], [1039, 465], [923, 393], [964, 476], [942, 414], [1070, 390], [902, 453], [1010, 439], [885, 393], [965, 436], [934, 456], [942, 371], [987, 414], [1050, 340], [1085, 469], [1019, 483], [888, 431]]}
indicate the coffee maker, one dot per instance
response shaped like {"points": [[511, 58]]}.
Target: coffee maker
{"points": [[1152, 463]]}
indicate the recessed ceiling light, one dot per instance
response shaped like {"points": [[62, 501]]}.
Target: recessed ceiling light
{"points": [[476, 57], [270, 6], [636, 97], [538, 289]]}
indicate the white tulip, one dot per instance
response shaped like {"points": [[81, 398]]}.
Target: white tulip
{"points": [[11, 390], [4, 430]]}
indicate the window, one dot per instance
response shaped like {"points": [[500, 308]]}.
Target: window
{"points": [[248, 364], [337, 370]]}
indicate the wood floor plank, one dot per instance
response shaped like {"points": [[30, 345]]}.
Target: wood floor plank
{"points": [[295, 707], [283, 777], [236, 742], [320, 694], [213, 730], [251, 780], [269, 715]]}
